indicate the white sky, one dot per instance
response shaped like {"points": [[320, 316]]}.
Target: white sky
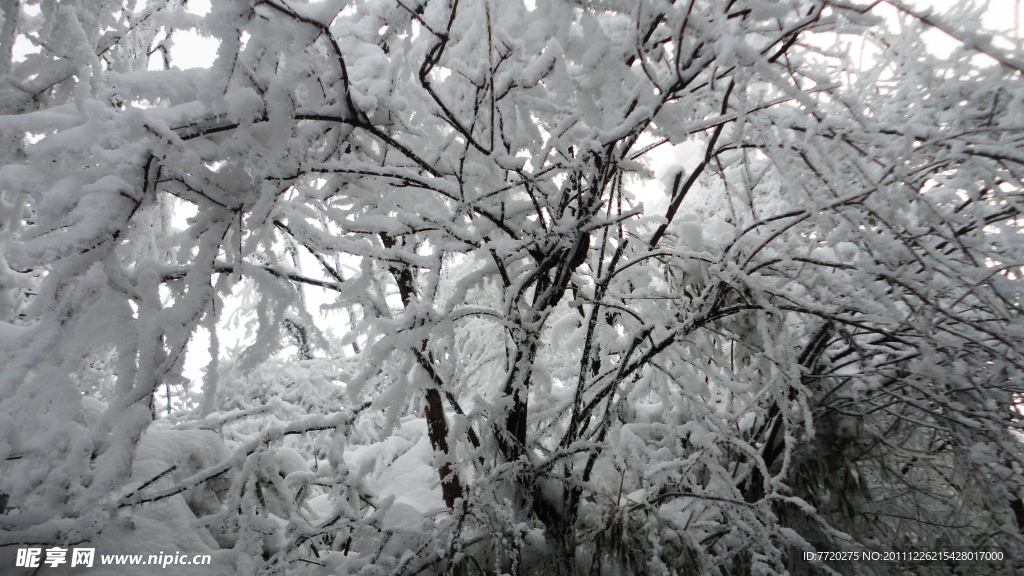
{"points": [[1001, 17], [190, 50]]}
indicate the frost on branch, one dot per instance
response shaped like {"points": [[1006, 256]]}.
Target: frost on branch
{"points": [[472, 340]]}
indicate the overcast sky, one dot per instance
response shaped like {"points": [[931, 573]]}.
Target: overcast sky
{"points": [[190, 50]]}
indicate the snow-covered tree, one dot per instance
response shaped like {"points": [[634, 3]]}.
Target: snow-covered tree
{"points": [[812, 339]]}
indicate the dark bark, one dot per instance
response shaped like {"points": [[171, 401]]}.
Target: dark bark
{"points": [[437, 430], [1018, 512], [512, 440]]}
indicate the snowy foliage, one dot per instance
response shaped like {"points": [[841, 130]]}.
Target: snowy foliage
{"points": [[814, 339]]}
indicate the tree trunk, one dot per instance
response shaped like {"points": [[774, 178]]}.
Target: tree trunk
{"points": [[437, 430], [433, 410]]}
